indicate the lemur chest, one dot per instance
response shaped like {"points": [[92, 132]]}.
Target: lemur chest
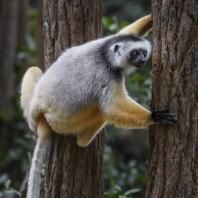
{"points": [[76, 122]]}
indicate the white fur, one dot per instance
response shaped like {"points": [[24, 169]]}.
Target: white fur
{"points": [[37, 162]]}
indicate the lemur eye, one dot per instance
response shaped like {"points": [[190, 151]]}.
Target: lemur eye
{"points": [[145, 53], [134, 53]]}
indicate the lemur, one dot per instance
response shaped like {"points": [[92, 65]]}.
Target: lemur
{"points": [[84, 89]]}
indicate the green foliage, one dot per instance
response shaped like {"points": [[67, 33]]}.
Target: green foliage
{"points": [[121, 177], [3, 116], [138, 85], [8, 191], [126, 10], [117, 192], [112, 26]]}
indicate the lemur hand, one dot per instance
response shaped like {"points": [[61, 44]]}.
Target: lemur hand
{"points": [[162, 116]]}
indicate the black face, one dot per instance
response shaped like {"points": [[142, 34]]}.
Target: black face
{"points": [[138, 57]]}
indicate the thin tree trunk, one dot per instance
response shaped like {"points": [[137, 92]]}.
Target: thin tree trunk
{"points": [[173, 164], [8, 39], [72, 171], [23, 27]]}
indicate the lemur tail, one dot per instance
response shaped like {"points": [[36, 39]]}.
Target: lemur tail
{"points": [[29, 81], [38, 159], [37, 162]]}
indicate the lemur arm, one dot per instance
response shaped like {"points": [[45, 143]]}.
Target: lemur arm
{"points": [[126, 113], [140, 27]]}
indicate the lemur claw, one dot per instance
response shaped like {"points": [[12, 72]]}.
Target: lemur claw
{"points": [[162, 116]]}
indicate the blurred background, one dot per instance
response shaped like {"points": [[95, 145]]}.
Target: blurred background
{"points": [[21, 46]]}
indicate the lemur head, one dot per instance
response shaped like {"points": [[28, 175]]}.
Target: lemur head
{"points": [[129, 50]]}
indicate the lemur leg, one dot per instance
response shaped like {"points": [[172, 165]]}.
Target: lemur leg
{"points": [[34, 117], [88, 134], [140, 27], [29, 82]]}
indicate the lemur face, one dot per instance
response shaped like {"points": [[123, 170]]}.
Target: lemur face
{"points": [[128, 53], [138, 57]]}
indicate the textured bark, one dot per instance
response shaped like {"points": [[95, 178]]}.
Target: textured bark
{"points": [[173, 164], [72, 171], [40, 37]]}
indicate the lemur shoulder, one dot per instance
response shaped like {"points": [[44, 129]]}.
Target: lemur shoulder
{"points": [[84, 89]]}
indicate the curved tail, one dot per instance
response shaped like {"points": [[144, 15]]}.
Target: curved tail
{"points": [[29, 81]]}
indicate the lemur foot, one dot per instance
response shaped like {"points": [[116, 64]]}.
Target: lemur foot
{"points": [[162, 116]]}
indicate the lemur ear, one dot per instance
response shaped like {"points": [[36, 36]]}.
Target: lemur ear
{"points": [[116, 48]]}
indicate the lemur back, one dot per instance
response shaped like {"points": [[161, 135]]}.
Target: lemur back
{"points": [[81, 74], [79, 79]]}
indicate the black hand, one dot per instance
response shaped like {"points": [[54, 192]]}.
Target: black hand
{"points": [[162, 116]]}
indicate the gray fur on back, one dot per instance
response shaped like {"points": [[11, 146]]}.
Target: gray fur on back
{"points": [[82, 75]]}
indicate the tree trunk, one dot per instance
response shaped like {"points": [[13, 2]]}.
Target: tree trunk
{"points": [[8, 39], [40, 37], [23, 27], [173, 164], [72, 171]]}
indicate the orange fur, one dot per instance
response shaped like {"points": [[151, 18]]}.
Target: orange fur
{"points": [[126, 113], [86, 136], [140, 27], [74, 123], [43, 129], [30, 79]]}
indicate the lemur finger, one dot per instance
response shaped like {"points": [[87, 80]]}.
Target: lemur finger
{"points": [[169, 118], [163, 121]]}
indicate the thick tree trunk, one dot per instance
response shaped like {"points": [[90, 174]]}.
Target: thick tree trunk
{"points": [[72, 171], [40, 37], [173, 164]]}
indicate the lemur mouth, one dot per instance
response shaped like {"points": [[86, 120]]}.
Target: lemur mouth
{"points": [[139, 65]]}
